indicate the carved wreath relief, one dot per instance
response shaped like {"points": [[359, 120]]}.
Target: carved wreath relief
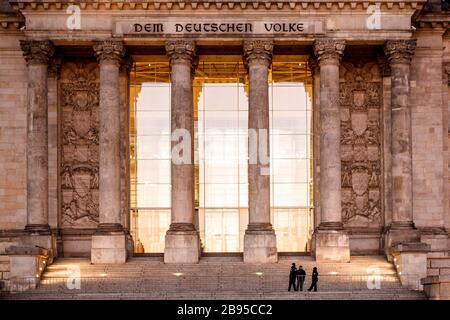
{"points": [[79, 100], [360, 100]]}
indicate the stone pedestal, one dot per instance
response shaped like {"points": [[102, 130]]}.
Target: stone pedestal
{"points": [[182, 247], [410, 260], [109, 248], [396, 236], [260, 247], [331, 245], [43, 241], [27, 263]]}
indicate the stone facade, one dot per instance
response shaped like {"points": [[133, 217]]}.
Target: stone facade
{"points": [[381, 121]]}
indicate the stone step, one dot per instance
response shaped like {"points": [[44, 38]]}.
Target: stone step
{"points": [[219, 278]]}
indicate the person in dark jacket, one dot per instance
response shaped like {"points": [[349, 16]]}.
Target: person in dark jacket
{"points": [[292, 276], [314, 279], [301, 275]]}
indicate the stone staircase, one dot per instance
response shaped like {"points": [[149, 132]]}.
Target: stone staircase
{"points": [[365, 277]]}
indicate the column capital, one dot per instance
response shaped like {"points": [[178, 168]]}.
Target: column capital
{"points": [[258, 51], [109, 50], [329, 50], [180, 50], [400, 51], [37, 51]]}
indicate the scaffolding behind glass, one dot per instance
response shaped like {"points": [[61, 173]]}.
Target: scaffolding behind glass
{"points": [[150, 154]]}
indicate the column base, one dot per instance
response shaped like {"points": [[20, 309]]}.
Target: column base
{"points": [[331, 245], [260, 246], [109, 248], [182, 244]]}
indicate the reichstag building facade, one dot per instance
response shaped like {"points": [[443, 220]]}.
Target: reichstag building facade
{"points": [[256, 129]]}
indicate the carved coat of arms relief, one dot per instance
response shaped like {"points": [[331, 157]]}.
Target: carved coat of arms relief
{"points": [[79, 99], [360, 102]]}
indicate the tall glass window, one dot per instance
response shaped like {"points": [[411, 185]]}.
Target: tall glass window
{"points": [[222, 107], [220, 104], [150, 154], [290, 92]]}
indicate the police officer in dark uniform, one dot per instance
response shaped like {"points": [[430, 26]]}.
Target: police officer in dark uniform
{"points": [[314, 279], [301, 275], [292, 276]]}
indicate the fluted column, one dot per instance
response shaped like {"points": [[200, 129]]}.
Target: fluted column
{"points": [[331, 241], [108, 245], [399, 54], [37, 55], [259, 240], [182, 240]]}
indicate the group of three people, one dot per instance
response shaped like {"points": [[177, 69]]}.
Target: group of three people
{"points": [[297, 278]]}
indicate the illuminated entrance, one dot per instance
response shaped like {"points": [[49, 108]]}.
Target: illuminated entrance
{"points": [[220, 94]]}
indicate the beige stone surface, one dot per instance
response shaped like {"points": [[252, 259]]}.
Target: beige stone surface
{"points": [[260, 247], [427, 123], [110, 249], [331, 245], [182, 247], [437, 287], [13, 122]]}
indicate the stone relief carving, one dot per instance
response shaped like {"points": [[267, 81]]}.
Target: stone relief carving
{"points": [[79, 101], [360, 101]]}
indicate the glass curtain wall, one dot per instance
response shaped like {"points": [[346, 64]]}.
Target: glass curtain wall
{"points": [[290, 100], [220, 104], [150, 154]]}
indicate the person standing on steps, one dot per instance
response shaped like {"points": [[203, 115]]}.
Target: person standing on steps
{"points": [[301, 275], [292, 276], [314, 279]]}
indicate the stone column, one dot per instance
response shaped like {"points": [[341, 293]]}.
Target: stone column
{"points": [[331, 242], [182, 240], [399, 54], [109, 242], [259, 239], [37, 55]]}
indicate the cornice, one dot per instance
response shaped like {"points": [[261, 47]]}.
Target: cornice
{"points": [[217, 4], [10, 18], [8, 21], [433, 20]]}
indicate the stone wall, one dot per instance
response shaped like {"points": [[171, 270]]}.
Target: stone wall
{"points": [[13, 122], [5, 270], [428, 141]]}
